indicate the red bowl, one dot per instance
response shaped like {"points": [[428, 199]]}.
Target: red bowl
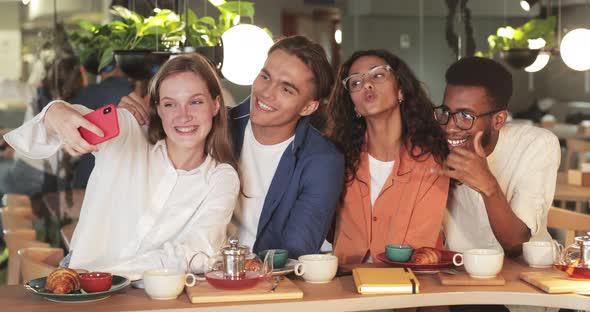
{"points": [[96, 281]]}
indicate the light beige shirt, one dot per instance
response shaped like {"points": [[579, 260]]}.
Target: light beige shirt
{"points": [[525, 163]]}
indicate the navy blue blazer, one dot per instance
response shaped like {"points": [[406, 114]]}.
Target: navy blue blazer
{"points": [[304, 192]]}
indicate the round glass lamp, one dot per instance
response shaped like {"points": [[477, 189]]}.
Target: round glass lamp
{"points": [[575, 49], [245, 48]]}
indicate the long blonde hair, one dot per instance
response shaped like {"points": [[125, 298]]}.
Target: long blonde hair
{"points": [[218, 143]]}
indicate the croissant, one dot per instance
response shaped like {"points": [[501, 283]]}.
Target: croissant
{"points": [[63, 281], [426, 255], [252, 265]]}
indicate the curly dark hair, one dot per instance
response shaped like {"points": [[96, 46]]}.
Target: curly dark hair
{"points": [[420, 132]]}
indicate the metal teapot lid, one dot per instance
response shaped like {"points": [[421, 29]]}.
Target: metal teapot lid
{"points": [[234, 249]]}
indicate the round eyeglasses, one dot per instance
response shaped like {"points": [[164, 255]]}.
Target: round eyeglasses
{"points": [[462, 119], [377, 75]]}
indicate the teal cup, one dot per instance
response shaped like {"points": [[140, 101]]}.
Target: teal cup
{"points": [[279, 259], [398, 253]]}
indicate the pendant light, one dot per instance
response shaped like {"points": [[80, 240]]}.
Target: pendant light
{"points": [[527, 4], [575, 48], [245, 48]]}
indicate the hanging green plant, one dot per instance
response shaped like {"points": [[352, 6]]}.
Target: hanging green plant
{"points": [[507, 38], [206, 31], [161, 31], [90, 42]]}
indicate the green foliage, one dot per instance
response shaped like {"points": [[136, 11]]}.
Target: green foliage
{"points": [[507, 38], [160, 31], [205, 31]]}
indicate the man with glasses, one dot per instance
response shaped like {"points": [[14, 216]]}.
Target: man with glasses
{"points": [[506, 173]]}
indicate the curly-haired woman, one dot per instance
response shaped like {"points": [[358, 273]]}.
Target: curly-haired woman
{"points": [[383, 121]]}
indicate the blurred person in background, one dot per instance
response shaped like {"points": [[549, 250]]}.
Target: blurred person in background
{"points": [[35, 176], [112, 87]]}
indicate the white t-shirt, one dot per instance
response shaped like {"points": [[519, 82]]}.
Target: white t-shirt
{"points": [[139, 212], [525, 163], [379, 171], [258, 164]]}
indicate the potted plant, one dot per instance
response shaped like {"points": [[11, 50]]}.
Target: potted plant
{"points": [[203, 34], [90, 42], [205, 31], [520, 46], [140, 45]]}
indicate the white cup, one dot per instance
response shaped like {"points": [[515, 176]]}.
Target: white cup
{"points": [[166, 284], [541, 254], [317, 269], [480, 263]]}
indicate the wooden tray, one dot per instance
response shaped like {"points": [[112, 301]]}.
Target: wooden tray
{"points": [[203, 292], [555, 282], [463, 279]]}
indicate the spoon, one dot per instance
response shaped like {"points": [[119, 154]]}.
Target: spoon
{"points": [[275, 283]]}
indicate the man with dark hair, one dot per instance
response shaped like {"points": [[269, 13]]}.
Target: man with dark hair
{"points": [[506, 172], [291, 175]]}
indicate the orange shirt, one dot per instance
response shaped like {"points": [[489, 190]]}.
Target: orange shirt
{"points": [[409, 209]]}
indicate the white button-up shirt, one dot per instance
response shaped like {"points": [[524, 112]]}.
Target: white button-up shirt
{"points": [[139, 212]]}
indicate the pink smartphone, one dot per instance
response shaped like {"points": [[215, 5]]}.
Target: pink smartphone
{"points": [[106, 119]]}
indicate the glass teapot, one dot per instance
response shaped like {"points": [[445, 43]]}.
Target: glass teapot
{"points": [[233, 262], [575, 259]]}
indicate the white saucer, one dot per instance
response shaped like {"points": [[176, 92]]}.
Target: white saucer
{"points": [[288, 268], [540, 266]]}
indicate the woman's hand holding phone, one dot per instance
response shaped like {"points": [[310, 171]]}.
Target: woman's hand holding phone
{"points": [[104, 118], [65, 121]]}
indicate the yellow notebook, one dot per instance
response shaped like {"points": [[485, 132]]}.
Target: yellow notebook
{"points": [[385, 281]]}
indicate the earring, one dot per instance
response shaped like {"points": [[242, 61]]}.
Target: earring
{"points": [[400, 101], [356, 114]]}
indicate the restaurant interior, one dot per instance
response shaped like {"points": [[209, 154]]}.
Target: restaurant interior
{"points": [[544, 44]]}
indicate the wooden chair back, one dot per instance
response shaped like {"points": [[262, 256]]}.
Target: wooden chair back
{"points": [[579, 147], [14, 221], [569, 221], [15, 240], [17, 200], [38, 262]]}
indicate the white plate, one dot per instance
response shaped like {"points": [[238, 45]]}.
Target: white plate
{"points": [[288, 268], [135, 278]]}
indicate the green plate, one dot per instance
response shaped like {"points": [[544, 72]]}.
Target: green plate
{"points": [[37, 286]]}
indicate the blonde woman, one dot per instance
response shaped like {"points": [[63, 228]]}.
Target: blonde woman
{"points": [[152, 201]]}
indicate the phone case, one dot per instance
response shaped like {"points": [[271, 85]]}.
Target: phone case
{"points": [[106, 119]]}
